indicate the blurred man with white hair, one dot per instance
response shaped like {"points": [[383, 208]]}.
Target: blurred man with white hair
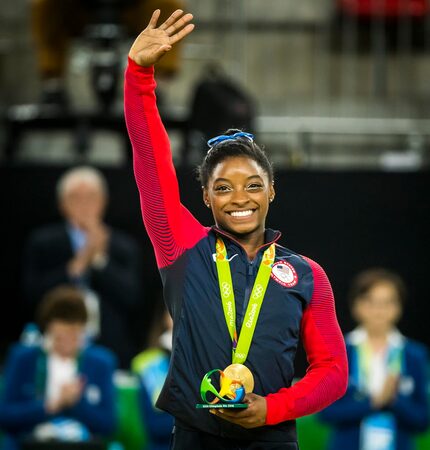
{"points": [[84, 250]]}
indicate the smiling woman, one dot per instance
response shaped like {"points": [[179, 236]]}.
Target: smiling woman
{"points": [[237, 297]]}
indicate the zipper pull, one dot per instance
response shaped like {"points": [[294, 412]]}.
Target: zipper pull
{"points": [[250, 268]]}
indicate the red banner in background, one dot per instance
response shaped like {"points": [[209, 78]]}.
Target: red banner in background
{"points": [[385, 8]]}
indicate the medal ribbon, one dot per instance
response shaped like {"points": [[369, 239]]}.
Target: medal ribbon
{"points": [[241, 345]]}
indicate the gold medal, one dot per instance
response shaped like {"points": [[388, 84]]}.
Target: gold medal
{"points": [[241, 373]]}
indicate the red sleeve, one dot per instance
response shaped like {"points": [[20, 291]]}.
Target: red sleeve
{"points": [[326, 378], [171, 227]]}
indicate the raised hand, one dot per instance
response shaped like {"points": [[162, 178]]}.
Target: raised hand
{"points": [[153, 42]]}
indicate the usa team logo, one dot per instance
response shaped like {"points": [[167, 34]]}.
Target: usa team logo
{"points": [[284, 274]]}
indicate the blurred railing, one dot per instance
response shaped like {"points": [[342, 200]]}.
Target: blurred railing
{"points": [[311, 66], [326, 70]]}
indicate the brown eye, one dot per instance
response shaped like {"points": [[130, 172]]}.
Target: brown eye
{"points": [[254, 187], [222, 188]]}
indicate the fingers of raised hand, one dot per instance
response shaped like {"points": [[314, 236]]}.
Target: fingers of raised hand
{"points": [[171, 20], [154, 18], [177, 24], [181, 34]]}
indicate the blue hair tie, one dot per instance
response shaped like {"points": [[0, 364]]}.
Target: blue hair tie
{"points": [[224, 137]]}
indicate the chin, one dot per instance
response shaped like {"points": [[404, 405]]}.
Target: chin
{"points": [[240, 230]]}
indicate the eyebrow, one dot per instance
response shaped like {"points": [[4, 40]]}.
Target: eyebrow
{"points": [[227, 180]]}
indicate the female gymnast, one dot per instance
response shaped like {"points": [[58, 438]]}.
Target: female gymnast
{"points": [[238, 298]]}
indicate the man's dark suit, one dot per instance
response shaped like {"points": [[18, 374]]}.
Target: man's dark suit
{"points": [[118, 285]]}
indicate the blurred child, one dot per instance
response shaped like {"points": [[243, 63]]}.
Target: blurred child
{"points": [[386, 402]]}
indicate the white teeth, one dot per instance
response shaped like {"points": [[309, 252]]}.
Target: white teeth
{"points": [[241, 213]]}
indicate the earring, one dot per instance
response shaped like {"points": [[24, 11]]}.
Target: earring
{"points": [[207, 204], [271, 199]]}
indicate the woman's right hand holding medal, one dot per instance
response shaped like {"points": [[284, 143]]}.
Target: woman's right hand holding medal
{"points": [[153, 42], [252, 417]]}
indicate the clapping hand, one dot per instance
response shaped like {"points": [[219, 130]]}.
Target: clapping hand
{"points": [[70, 394], [98, 237], [388, 393], [153, 42]]}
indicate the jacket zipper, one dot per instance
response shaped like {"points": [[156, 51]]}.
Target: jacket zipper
{"points": [[249, 277]]}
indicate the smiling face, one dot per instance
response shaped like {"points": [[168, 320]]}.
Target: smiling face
{"points": [[239, 192]]}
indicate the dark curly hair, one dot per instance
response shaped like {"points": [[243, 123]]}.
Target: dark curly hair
{"points": [[240, 146]]}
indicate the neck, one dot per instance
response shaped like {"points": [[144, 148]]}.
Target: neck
{"points": [[251, 246], [378, 338], [250, 242]]}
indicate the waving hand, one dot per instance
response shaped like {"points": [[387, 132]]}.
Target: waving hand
{"points": [[153, 42]]}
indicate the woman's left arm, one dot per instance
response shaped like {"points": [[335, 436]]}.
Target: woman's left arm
{"points": [[326, 378]]}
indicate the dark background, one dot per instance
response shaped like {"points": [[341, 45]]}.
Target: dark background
{"points": [[346, 221]]}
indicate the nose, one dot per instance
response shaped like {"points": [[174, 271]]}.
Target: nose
{"points": [[240, 197]]}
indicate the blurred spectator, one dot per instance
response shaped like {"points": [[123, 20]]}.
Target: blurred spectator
{"points": [[61, 390], [386, 402], [84, 251], [151, 366], [54, 22], [218, 102]]}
